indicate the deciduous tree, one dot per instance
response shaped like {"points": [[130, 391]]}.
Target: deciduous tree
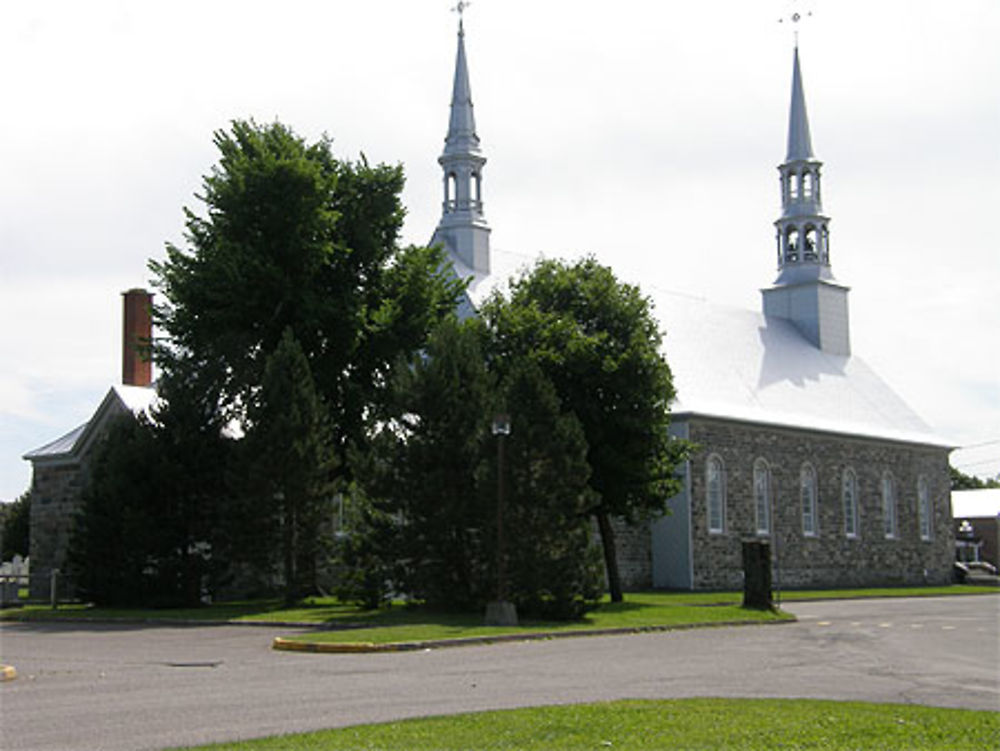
{"points": [[292, 237], [598, 342]]}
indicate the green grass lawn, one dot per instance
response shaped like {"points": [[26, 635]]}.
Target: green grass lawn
{"points": [[746, 724], [639, 611], [331, 612], [348, 624]]}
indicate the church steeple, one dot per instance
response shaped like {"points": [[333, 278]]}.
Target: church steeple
{"points": [[463, 229], [805, 291], [802, 231], [799, 140]]}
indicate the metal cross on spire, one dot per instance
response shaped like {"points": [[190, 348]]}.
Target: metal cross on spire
{"points": [[460, 9], [795, 16]]}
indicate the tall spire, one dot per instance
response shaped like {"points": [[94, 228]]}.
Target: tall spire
{"points": [[799, 142], [463, 229], [461, 136], [803, 234], [805, 291]]}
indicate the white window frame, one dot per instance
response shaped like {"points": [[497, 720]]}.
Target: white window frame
{"points": [[924, 514], [808, 501], [762, 496], [715, 498], [890, 528], [849, 501]]}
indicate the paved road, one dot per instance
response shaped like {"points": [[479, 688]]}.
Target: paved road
{"points": [[104, 687]]}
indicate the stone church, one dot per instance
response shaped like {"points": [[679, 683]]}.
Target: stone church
{"points": [[800, 443]]}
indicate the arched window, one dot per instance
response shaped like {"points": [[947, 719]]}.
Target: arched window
{"points": [[478, 184], [762, 496], [807, 494], [810, 245], [888, 506], [807, 185], [451, 191], [849, 496], [924, 508], [792, 244], [715, 492]]}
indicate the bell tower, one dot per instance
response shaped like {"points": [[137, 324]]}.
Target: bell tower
{"points": [[805, 291], [463, 229]]}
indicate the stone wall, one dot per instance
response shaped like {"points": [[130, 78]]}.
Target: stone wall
{"points": [[830, 558], [55, 500], [635, 554]]}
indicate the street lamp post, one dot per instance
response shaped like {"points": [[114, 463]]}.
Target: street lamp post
{"points": [[501, 612]]}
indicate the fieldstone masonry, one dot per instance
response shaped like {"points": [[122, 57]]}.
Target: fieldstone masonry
{"points": [[830, 558], [635, 554], [55, 501]]}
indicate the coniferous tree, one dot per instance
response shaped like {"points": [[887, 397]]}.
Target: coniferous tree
{"points": [[288, 459], [552, 568], [147, 532], [424, 468]]}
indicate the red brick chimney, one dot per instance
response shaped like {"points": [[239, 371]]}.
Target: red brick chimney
{"points": [[137, 333]]}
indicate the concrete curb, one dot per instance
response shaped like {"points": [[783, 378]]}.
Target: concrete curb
{"points": [[7, 673], [295, 645]]}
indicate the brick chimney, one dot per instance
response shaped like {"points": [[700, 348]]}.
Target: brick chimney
{"points": [[137, 334]]}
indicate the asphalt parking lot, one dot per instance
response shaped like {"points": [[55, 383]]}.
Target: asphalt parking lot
{"points": [[147, 687]]}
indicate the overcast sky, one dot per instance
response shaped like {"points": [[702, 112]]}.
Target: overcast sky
{"points": [[646, 133]]}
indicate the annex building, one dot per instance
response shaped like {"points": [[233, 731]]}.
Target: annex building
{"points": [[800, 442]]}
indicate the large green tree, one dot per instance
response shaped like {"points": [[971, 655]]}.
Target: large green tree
{"points": [[598, 342], [429, 520], [292, 237]]}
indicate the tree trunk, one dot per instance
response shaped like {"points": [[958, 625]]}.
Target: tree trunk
{"points": [[610, 556]]}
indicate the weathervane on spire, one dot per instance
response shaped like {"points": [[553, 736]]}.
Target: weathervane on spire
{"points": [[795, 17], [460, 9]]}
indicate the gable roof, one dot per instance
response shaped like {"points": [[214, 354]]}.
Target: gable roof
{"points": [[504, 266], [738, 364], [119, 400]]}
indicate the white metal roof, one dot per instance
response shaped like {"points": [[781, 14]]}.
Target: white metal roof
{"points": [[734, 363], [60, 446], [120, 398], [504, 266], [967, 504]]}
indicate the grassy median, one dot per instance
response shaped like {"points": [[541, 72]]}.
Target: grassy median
{"points": [[746, 724], [346, 623]]}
